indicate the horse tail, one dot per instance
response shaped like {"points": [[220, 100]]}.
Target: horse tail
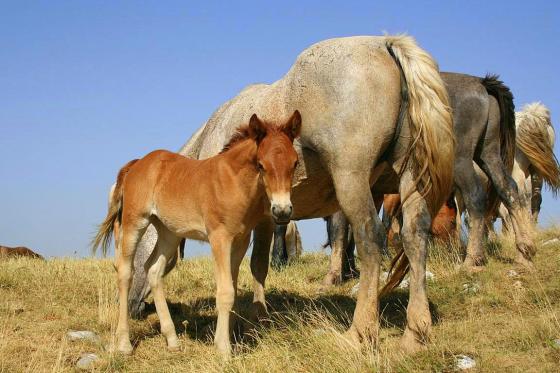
{"points": [[503, 95], [535, 138], [431, 151], [398, 269], [112, 220]]}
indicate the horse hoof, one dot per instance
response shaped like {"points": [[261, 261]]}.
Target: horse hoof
{"points": [[410, 344], [330, 280], [352, 337], [527, 264], [174, 346], [125, 349], [474, 263]]}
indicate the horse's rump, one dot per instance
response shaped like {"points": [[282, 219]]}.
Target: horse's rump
{"points": [[535, 138]]}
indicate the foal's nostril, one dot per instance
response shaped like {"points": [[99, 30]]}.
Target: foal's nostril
{"points": [[274, 210]]}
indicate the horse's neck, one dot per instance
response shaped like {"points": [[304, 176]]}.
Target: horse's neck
{"points": [[242, 160]]}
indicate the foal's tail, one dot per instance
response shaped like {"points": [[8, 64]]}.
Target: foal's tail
{"points": [[431, 150], [111, 222], [503, 95], [535, 138]]}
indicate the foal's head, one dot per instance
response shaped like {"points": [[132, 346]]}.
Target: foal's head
{"points": [[276, 161]]}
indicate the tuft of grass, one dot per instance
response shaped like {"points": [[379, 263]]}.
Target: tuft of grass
{"points": [[504, 320]]}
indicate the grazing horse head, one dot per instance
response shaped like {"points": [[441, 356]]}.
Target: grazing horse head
{"points": [[276, 162]]}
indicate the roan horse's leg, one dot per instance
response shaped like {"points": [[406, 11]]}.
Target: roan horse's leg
{"points": [[414, 233], [131, 232], [354, 196], [279, 251], [337, 230], [494, 168], [165, 250], [262, 235]]}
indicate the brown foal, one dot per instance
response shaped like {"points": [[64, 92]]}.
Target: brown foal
{"points": [[219, 200]]}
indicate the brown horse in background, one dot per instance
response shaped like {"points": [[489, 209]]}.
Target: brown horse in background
{"points": [[444, 224], [219, 200], [20, 251]]}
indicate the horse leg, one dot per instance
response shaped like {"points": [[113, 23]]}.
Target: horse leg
{"points": [[130, 234], [474, 199], [279, 250], [337, 229], [415, 231], [221, 244], [164, 252], [355, 199], [536, 196], [494, 168], [238, 251]]}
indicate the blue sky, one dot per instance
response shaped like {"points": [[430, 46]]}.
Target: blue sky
{"points": [[87, 85]]}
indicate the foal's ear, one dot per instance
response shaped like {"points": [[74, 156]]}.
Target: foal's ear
{"points": [[257, 129], [293, 127]]}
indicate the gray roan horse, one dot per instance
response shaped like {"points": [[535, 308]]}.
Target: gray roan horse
{"points": [[375, 110], [484, 126]]}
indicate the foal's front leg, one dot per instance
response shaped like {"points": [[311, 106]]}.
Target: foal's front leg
{"points": [[225, 293]]}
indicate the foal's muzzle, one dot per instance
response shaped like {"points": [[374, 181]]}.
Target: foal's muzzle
{"points": [[281, 213]]}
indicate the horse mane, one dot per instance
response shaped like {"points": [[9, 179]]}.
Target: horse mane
{"points": [[244, 133], [240, 134]]}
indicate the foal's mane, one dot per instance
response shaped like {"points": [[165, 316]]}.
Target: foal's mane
{"points": [[244, 133]]}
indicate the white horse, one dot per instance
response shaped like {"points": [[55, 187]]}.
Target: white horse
{"points": [[535, 161]]}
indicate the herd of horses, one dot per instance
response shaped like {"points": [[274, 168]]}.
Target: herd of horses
{"points": [[356, 122]]}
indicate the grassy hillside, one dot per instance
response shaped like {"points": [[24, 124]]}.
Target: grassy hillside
{"points": [[506, 321]]}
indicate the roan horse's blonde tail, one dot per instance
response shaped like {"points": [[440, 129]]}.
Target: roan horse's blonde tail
{"points": [[431, 153], [105, 231], [535, 138]]}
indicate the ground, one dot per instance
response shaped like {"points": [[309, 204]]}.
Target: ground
{"points": [[504, 318]]}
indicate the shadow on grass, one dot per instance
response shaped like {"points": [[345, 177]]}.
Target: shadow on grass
{"points": [[198, 319]]}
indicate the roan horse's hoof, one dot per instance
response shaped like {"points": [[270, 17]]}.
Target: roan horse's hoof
{"points": [[410, 344]]}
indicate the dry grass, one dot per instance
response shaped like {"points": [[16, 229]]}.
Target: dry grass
{"points": [[508, 324]]}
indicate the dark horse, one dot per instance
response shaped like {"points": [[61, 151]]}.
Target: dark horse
{"points": [[484, 127]]}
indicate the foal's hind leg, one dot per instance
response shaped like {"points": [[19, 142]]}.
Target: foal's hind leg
{"points": [[221, 244], [414, 233], [165, 250], [132, 229]]}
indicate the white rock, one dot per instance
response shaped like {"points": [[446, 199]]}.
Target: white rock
{"points": [[556, 343], [512, 273], [471, 288], [83, 335], [87, 361], [464, 362], [404, 284], [384, 276], [354, 290], [551, 241], [518, 285], [430, 276]]}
